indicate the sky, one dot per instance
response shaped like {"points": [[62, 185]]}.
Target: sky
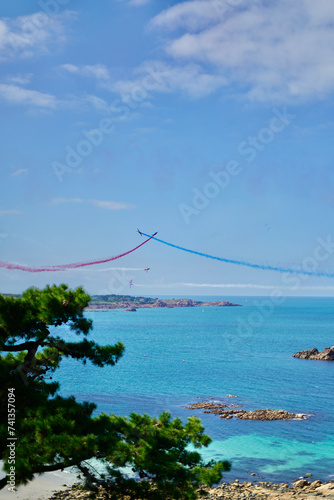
{"points": [[209, 121]]}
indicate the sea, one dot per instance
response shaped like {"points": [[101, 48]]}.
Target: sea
{"points": [[176, 357]]}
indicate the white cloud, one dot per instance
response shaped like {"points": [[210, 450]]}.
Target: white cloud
{"points": [[71, 68], [25, 36], [17, 95], [22, 79], [99, 71], [192, 16], [14, 94], [269, 50], [250, 286], [155, 76], [137, 3], [96, 102], [107, 269], [230, 285], [109, 205], [192, 79], [19, 172], [10, 212], [152, 76], [257, 287]]}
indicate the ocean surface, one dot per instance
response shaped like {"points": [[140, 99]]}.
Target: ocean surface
{"points": [[173, 357]]}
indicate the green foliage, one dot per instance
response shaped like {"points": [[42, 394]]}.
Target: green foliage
{"points": [[115, 299], [54, 432], [158, 451]]}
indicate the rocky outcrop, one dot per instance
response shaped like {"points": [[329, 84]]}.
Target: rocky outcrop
{"points": [[302, 490], [265, 414], [215, 408], [326, 355]]}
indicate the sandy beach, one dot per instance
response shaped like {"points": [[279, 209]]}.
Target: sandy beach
{"points": [[42, 487]]}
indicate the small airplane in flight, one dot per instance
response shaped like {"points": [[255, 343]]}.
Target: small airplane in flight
{"points": [[130, 283], [147, 269], [141, 234]]}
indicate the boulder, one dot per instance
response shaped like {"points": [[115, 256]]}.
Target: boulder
{"points": [[326, 355], [326, 489], [301, 483], [316, 484]]}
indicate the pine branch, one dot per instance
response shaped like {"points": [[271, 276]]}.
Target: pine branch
{"points": [[26, 346], [3, 482]]}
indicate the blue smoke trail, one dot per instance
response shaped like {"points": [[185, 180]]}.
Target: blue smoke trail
{"points": [[246, 264]]}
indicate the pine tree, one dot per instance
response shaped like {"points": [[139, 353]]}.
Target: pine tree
{"points": [[47, 432]]}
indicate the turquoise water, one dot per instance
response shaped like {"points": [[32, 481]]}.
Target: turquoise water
{"points": [[174, 356]]}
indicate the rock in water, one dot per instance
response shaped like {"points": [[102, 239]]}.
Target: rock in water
{"points": [[266, 414], [326, 355]]}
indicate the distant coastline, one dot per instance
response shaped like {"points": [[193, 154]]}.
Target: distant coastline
{"points": [[132, 303]]}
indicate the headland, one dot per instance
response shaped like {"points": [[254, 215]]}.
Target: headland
{"points": [[130, 302]]}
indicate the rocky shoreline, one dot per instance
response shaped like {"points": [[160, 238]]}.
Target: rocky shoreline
{"points": [[258, 414], [326, 355], [302, 489]]}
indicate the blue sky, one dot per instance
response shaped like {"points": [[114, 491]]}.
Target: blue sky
{"points": [[210, 121]]}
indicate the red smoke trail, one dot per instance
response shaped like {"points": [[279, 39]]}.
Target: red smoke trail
{"points": [[64, 267]]}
